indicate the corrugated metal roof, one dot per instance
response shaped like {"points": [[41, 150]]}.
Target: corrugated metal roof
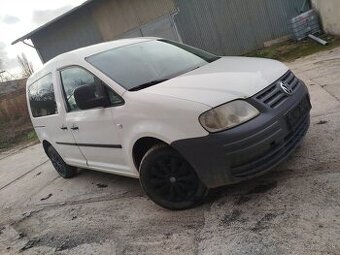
{"points": [[27, 36]]}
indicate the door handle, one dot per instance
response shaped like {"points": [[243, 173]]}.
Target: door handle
{"points": [[74, 128], [63, 127]]}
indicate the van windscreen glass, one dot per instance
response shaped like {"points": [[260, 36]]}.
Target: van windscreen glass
{"points": [[41, 97], [148, 63]]}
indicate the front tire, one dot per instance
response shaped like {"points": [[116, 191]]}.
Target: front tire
{"points": [[59, 164], [169, 180]]}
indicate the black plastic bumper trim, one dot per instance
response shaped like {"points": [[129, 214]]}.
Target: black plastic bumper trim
{"points": [[250, 149]]}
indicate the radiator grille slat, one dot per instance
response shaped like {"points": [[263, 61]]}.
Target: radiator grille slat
{"points": [[273, 95]]}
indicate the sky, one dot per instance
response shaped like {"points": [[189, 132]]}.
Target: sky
{"points": [[19, 17]]}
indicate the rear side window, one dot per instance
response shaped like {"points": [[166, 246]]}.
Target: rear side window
{"points": [[41, 97]]}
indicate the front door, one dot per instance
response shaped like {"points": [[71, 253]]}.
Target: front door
{"points": [[94, 130]]}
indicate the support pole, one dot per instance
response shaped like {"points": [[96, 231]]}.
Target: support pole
{"points": [[317, 39]]}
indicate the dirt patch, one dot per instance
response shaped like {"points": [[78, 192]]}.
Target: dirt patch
{"points": [[243, 200], [263, 188], [47, 197], [235, 216], [1, 229], [264, 222], [322, 122], [101, 186], [30, 244], [292, 50], [62, 243], [143, 230]]}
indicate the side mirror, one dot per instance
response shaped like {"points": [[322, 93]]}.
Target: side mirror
{"points": [[86, 98]]}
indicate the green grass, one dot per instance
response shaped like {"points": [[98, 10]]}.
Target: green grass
{"points": [[8, 142], [31, 136], [291, 50]]}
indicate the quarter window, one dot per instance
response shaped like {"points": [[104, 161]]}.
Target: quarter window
{"points": [[75, 77], [41, 97]]}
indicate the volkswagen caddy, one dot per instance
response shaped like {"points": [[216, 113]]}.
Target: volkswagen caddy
{"points": [[180, 119]]}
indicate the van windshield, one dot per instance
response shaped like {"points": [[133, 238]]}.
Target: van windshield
{"points": [[144, 64]]}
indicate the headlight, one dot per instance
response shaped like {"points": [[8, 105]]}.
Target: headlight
{"points": [[227, 116]]}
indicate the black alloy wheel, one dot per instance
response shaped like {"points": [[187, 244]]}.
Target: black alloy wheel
{"points": [[59, 164], [169, 180]]}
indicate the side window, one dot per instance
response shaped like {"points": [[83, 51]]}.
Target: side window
{"points": [[41, 97], [114, 98], [75, 77]]}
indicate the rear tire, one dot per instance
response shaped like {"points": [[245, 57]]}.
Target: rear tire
{"points": [[169, 180], [59, 164]]}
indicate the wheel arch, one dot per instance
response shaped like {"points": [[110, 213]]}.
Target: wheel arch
{"points": [[141, 147]]}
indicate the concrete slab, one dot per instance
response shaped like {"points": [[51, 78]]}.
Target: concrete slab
{"points": [[322, 101], [321, 73], [16, 165]]}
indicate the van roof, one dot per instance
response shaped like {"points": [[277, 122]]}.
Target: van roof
{"points": [[88, 51]]}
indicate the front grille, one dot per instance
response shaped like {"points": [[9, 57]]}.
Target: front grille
{"points": [[275, 154], [273, 96]]}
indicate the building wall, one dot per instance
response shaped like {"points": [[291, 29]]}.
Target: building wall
{"points": [[71, 32], [329, 11], [100, 20], [232, 27], [114, 18], [225, 27]]}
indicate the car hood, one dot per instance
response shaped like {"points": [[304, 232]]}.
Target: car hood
{"points": [[223, 80]]}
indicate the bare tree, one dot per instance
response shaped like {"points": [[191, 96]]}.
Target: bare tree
{"points": [[26, 66]]}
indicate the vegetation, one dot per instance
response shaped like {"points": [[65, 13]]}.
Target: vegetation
{"points": [[26, 66], [291, 50], [16, 132]]}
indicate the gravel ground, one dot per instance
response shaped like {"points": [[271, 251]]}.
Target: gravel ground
{"points": [[294, 209]]}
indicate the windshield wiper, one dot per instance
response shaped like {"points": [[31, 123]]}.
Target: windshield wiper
{"points": [[147, 84], [193, 69]]}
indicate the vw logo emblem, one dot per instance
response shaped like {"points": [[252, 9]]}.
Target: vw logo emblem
{"points": [[285, 88]]}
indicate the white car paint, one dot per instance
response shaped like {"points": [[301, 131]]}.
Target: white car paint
{"points": [[168, 111], [224, 80]]}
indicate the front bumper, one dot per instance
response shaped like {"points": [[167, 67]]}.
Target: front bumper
{"points": [[252, 148]]}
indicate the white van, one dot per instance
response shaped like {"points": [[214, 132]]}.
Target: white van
{"points": [[180, 119]]}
